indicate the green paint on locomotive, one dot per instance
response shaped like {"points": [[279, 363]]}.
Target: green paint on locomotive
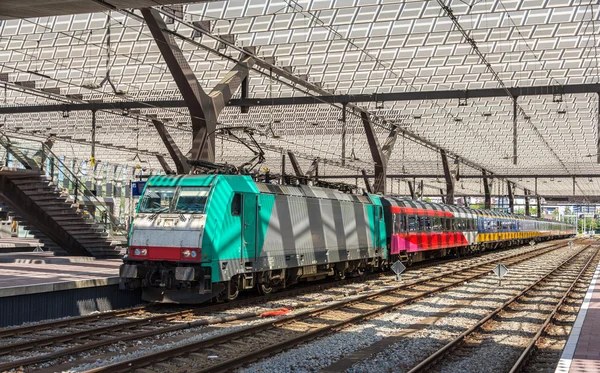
{"points": [[224, 239], [377, 224]]}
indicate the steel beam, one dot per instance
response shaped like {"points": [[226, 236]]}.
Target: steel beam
{"points": [[314, 100], [515, 112], [313, 170], [178, 158], [539, 207], [295, 164], [462, 176], [527, 212], [411, 189], [444, 198], [486, 191], [450, 178], [367, 183], [376, 153], [165, 166], [511, 197], [196, 100], [598, 132], [204, 108]]}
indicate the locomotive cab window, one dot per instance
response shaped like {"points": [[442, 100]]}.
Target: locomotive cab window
{"points": [[192, 199], [236, 205], [157, 199]]}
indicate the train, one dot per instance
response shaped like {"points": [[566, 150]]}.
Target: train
{"points": [[198, 237]]}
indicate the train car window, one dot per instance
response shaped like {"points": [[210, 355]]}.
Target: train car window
{"points": [[157, 199], [437, 224], [192, 199], [236, 205], [412, 223]]}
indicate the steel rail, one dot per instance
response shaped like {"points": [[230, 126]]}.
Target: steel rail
{"points": [[20, 330], [483, 270], [427, 364], [522, 360]]}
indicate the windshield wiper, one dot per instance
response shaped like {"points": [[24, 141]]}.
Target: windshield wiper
{"points": [[155, 215]]}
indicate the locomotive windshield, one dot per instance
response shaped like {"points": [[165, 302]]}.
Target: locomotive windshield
{"points": [[157, 199], [192, 199], [174, 199]]}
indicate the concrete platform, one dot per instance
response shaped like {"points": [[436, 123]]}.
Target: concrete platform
{"points": [[37, 286], [16, 244], [582, 351]]}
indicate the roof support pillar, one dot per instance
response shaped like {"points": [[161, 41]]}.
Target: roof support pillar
{"points": [[466, 201], [515, 111], [442, 195], [165, 166], [295, 164], [376, 153], [366, 180], [204, 108], [93, 137], [486, 192], [313, 170], [450, 177], [598, 133], [574, 185], [511, 197], [344, 133], [282, 169], [527, 212], [411, 189], [179, 159], [539, 207]]}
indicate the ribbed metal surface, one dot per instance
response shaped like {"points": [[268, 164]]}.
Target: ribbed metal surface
{"points": [[34, 307]]}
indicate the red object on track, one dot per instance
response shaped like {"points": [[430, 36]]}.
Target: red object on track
{"points": [[279, 312]]}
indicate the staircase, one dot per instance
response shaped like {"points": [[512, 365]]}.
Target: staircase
{"points": [[54, 218]]}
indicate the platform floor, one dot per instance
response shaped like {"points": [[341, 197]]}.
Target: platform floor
{"points": [[582, 351], [30, 273]]}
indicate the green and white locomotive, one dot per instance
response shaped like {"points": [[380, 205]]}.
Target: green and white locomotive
{"points": [[196, 237]]}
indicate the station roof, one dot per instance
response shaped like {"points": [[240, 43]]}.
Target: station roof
{"points": [[341, 47]]}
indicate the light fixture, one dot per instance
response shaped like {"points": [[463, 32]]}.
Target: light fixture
{"points": [[562, 111], [458, 119], [527, 117], [487, 114], [65, 114], [418, 116]]}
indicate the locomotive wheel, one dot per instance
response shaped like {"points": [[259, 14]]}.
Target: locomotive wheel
{"points": [[265, 289], [233, 290]]}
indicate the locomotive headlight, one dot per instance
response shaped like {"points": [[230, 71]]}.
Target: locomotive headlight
{"points": [[137, 252], [186, 254], [194, 254], [144, 251]]}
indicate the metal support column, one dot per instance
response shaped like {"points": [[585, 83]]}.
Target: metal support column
{"points": [[179, 159], [527, 212], [515, 129], [539, 207], [93, 157], [344, 133], [282, 168], [486, 191], [366, 180], [376, 153], [295, 164], [511, 197], [598, 132], [574, 185], [204, 108], [411, 189], [165, 166], [450, 178], [442, 195]]}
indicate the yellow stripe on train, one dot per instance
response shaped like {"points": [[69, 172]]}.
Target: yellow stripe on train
{"points": [[491, 237]]}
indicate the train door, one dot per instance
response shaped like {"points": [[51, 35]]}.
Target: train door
{"points": [[378, 216], [249, 227]]}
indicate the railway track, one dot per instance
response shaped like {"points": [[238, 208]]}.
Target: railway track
{"points": [[85, 333], [244, 345], [508, 335]]}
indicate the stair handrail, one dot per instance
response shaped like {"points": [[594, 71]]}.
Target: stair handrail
{"points": [[45, 153], [80, 184]]}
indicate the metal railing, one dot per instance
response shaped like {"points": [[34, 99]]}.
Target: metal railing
{"points": [[38, 156]]}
